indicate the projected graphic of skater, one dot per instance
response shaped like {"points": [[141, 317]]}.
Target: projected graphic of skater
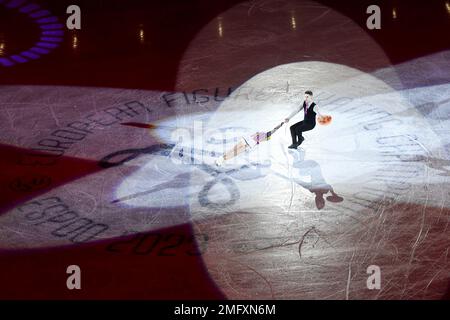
{"points": [[310, 110]]}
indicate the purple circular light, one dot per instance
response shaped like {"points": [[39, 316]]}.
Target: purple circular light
{"points": [[52, 32]]}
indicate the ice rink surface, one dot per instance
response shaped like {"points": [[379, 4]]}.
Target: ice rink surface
{"points": [[369, 189]]}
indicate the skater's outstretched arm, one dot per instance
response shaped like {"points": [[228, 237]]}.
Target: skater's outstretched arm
{"points": [[293, 113]]}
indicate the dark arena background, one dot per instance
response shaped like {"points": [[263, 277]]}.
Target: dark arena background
{"points": [[113, 115]]}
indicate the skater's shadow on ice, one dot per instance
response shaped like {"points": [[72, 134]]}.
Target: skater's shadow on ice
{"points": [[311, 170], [308, 175]]}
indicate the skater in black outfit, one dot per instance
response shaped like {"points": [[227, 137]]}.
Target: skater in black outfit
{"points": [[310, 110]]}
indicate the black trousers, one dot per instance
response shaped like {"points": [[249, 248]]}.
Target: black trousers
{"points": [[298, 128]]}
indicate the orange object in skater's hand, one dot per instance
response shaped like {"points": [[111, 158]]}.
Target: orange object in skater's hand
{"points": [[324, 120]]}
